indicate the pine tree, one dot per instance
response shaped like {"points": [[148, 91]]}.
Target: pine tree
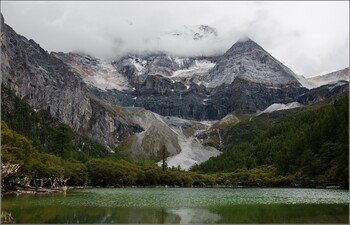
{"points": [[164, 155]]}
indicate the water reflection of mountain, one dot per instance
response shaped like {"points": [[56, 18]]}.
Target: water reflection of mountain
{"points": [[194, 216]]}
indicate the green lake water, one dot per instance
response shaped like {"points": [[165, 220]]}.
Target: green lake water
{"points": [[182, 205]]}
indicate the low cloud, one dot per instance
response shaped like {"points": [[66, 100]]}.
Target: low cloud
{"points": [[309, 37]]}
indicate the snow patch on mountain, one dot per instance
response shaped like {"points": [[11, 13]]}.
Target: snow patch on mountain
{"points": [[249, 61], [196, 32], [198, 67], [95, 72], [139, 64], [107, 77], [279, 106], [334, 77], [179, 61]]}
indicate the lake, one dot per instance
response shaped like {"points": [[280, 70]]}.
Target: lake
{"points": [[182, 205]]}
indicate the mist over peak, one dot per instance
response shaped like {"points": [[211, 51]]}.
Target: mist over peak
{"points": [[308, 44]]}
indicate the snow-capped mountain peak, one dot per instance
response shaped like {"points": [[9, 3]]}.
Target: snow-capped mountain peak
{"points": [[249, 61], [197, 32], [329, 78]]}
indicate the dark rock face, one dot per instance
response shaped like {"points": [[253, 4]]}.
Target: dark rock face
{"points": [[256, 80], [201, 104], [327, 92], [107, 126], [158, 84], [45, 82], [247, 97], [253, 80], [245, 79]]}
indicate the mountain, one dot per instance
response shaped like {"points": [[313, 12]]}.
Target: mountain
{"points": [[182, 86], [249, 61], [310, 144], [136, 104], [94, 72], [245, 79], [329, 78], [197, 32], [178, 135], [46, 82], [62, 84], [47, 133]]}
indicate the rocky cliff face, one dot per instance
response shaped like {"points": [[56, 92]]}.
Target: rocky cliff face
{"points": [[325, 93], [94, 72], [243, 96], [45, 82], [245, 79], [178, 135]]}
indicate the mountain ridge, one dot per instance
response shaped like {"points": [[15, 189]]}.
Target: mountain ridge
{"points": [[165, 87], [47, 83], [248, 60]]}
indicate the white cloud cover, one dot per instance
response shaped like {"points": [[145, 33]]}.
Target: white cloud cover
{"points": [[311, 38]]}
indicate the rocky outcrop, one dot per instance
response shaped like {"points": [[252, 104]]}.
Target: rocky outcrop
{"points": [[158, 84], [243, 96], [45, 82]]}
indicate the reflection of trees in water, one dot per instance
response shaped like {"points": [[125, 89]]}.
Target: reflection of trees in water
{"points": [[283, 213], [107, 218], [151, 215], [261, 213], [115, 215]]}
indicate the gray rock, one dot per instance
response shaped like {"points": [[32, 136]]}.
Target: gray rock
{"points": [[45, 82], [247, 60]]}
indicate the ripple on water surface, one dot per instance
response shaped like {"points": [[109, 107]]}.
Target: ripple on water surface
{"points": [[192, 197], [181, 205]]}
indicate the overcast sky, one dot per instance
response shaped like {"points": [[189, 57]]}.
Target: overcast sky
{"points": [[311, 38]]}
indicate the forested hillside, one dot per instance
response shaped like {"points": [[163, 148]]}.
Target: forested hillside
{"points": [[308, 149], [312, 146], [47, 133]]}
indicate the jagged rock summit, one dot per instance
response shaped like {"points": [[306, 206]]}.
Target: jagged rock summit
{"points": [[249, 61]]}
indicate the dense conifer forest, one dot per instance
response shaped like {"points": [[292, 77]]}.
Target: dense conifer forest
{"points": [[308, 149]]}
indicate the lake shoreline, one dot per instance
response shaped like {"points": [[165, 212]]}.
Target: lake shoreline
{"points": [[34, 191], [180, 206]]}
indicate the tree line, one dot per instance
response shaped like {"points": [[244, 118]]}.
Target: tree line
{"points": [[312, 146], [308, 149]]}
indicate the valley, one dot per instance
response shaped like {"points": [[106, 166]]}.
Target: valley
{"points": [[174, 112], [200, 117]]}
